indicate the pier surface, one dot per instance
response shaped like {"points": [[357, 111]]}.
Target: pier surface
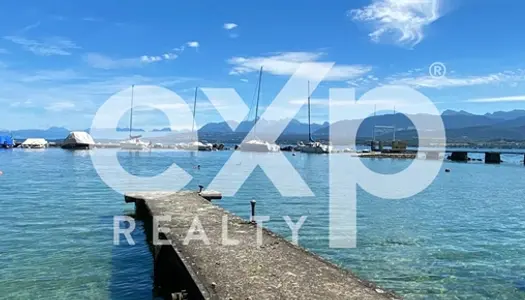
{"points": [[273, 269]]}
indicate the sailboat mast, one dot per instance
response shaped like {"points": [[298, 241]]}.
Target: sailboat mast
{"points": [[257, 103], [395, 129], [374, 122], [309, 126], [194, 110], [131, 113]]}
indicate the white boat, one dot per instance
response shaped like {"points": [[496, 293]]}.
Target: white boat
{"points": [[78, 140], [315, 147], [312, 146], [255, 144], [195, 144], [35, 144], [200, 146], [134, 142]]}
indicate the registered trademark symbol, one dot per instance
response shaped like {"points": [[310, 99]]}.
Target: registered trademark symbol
{"points": [[437, 70]]}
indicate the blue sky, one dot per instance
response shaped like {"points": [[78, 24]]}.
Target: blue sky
{"points": [[59, 61]]}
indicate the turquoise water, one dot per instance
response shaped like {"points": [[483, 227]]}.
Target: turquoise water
{"points": [[461, 238]]}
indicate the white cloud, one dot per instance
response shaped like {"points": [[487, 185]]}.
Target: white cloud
{"points": [[149, 59], [31, 26], [169, 56], [156, 58], [26, 104], [51, 75], [364, 81], [101, 61], [244, 80], [230, 26], [426, 81], [401, 21], [499, 99], [45, 47], [193, 44], [286, 63], [91, 19], [60, 106], [3, 51], [52, 89]]}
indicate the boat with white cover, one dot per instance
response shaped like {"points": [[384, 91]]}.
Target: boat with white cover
{"points": [[78, 140]]}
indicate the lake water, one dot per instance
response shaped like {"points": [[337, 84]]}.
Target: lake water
{"points": [[461, 238]]}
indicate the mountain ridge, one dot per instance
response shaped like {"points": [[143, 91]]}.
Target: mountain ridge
{"points": [[458, 124]]}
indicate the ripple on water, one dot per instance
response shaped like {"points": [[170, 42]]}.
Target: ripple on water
{"points": [[459, 239]]}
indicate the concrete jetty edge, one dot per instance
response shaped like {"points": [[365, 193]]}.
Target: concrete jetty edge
{"points": [[273, 269]]}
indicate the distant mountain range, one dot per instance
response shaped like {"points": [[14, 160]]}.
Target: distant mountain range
{"points": [[52, 133], [459, 126], [293, 127]]}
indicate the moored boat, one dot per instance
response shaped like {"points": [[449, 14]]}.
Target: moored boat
{"points": [[6, 142], [312, 146], [78, 140], [134, 142], [195, 144], [32, 143], [256, 144]]}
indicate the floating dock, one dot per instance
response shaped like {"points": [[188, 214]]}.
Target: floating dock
{"points": [[491, 157], [270, 269], [408, 155]]}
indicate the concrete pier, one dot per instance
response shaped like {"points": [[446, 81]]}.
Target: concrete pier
{"points": [[261, 266]]}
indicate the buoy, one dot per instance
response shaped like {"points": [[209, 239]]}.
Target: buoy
{"points": [[447, 170], [1, 173]]}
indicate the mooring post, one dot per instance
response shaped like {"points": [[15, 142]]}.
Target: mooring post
{"points": [[200, 188], [252, 218]]}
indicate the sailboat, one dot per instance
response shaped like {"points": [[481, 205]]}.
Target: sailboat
{"points": [[255, 144], [312, 146], [196, 145], [134, 142]]}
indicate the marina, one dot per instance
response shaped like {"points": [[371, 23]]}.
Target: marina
{"points": [[82, 141], [210, 150]]}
